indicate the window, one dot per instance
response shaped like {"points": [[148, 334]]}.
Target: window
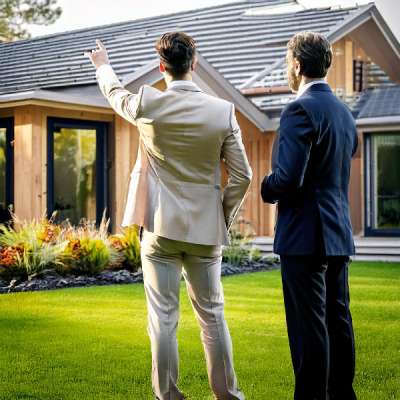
{"points": [[383, 183], [77, 169], [358, 75], [6, 167]]}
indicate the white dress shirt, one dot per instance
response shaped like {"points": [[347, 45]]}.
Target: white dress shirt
{"points": [[178, 82], [303, 88]]}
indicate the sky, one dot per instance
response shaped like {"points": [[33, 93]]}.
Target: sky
{"points": [[99, 12]]}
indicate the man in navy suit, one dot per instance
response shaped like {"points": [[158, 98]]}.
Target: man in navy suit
{"points": [[309, 181]]}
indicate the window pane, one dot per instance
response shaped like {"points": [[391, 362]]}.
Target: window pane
{"points": [[75, 174], [386, 199]]}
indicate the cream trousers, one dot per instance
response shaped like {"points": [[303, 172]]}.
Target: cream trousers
{"points": [[162, 262]]}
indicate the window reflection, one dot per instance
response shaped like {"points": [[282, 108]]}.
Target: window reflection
{"points": [[3, 142], [75, 174], [386, 200]]}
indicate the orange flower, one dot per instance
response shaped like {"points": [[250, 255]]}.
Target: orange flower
{"points": [[117, 243], [49, 233], [8, 255]]}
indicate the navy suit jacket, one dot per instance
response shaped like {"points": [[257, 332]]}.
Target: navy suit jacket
{"points": [[310, 175]]}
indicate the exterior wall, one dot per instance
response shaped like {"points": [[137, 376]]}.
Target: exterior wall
{"points": [[29, 163], [126, 146], [258, 146], [340, 75], [30, 153]]}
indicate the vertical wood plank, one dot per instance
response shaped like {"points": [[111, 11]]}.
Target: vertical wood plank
{"points": [[122, 169], [255, 223], [348, 70], [28, 162]]}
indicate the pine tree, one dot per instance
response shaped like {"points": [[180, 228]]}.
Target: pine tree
{"points": [[16, 14]]}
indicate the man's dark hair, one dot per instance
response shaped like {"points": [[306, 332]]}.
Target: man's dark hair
{"points": [[176, 51], [314, 53]]}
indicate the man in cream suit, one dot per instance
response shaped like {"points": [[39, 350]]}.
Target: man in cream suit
{"points": [[175, 194]]}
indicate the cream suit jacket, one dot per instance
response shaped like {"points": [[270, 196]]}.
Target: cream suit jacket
{"points": [[175, 186]]}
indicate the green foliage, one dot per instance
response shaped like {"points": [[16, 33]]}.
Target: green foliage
{"points": [[234, 254], [29, 248], [239, 251], [128, 245], [86, 256], [89, 250], [15, 14], [254, 254], [26, 249]]}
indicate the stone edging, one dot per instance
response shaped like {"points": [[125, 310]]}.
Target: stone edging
{"points": [[52, 280]]}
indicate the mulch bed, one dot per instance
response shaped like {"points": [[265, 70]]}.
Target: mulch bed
{"points": [[52, 280]]}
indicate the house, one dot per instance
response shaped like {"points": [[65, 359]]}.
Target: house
{"points": [[63, 148]]}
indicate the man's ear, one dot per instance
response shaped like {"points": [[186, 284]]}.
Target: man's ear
{"points": [[297, 67], [194, 64], [161, 67]]}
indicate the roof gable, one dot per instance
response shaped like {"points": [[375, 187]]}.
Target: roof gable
{"points": [[366, 26]]}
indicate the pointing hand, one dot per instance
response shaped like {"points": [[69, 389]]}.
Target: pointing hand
{"points": [[99, 55]]}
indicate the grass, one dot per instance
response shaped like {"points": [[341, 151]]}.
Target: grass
{"points": [[91, 343]]}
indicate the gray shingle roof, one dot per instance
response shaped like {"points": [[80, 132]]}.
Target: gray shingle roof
{"points": [[382, 102], [237, 44]]}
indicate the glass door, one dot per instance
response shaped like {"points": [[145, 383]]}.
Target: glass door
{"points": [[383, 184], [77, 169], [6, 167]]}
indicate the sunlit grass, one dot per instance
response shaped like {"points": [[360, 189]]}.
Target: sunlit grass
{"points": [[91, 343]]}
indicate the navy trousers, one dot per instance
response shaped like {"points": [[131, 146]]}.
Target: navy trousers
{"points": [[319, 323]]}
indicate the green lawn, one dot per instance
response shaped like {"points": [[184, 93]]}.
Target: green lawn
{"points": [[91, 343]]}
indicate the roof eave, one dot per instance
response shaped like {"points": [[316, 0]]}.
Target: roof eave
{"points": [[375, 121], [51, 97]]}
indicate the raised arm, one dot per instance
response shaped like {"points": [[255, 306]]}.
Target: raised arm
{"points": [[123, 102], [239, 171]]}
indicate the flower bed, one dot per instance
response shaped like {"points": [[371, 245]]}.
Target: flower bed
{"points": [[41, 255]]}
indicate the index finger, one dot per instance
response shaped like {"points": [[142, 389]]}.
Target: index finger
{"points": [[100, 44]]}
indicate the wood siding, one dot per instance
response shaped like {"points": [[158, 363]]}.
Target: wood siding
{"points": [[30, 153], [29, 163], [340, 75], [258, 146]]}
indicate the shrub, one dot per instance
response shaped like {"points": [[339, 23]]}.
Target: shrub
{"points": [[234, 254], [239, 251], [28, 248], [128, 245], [88, 250], [86, 256], [254, 254]]}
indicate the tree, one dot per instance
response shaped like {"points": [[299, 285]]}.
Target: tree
{"points": [[16, 14]]}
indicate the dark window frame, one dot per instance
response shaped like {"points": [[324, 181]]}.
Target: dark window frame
{"points": [[102, 163], [8, 124], [369, 186]]}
